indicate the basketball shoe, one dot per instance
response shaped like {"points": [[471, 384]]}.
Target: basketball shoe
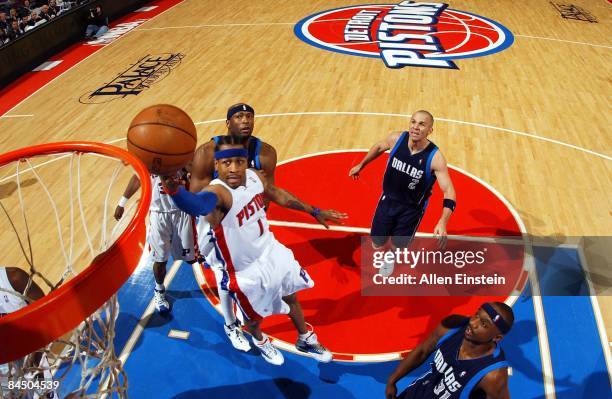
{"points": [[269, 352], [161, 303], [313, 347], [236, 337], [387, 268]]}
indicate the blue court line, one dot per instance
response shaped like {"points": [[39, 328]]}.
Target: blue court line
{"points": [[577, 356]]}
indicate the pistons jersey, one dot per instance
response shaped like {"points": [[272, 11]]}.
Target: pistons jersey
{"points": [[160, 201], [244, 235]]}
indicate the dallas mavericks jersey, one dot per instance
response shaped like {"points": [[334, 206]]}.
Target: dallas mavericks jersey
{"points": [[160, 201], [451, 378], [408, 177], [244, 233], [253, 147]]}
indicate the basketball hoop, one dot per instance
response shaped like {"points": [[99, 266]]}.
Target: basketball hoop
{"points": [[66, 307]]}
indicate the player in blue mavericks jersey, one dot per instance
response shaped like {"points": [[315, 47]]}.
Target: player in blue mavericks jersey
{"points": [[414, 165], [240, 122], [467, 361]]}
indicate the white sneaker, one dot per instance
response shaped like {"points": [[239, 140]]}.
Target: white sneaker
{"points": [[386, 269], [313, 347], [269, 352], [236, 337], [161, 304]]}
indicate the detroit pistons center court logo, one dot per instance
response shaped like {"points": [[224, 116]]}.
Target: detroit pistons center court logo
{"points": [[409, 33]]}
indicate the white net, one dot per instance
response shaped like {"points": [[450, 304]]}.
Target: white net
{"points": [[56, 216]]}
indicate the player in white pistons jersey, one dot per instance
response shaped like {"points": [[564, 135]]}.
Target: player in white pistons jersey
{"points": [[170, 232], [13, 286], [240, 121], [245, 227], [261, 274]]}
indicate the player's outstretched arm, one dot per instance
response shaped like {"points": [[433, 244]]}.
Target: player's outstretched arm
{"points": [[287, 200], [132, 187], [381, 146], [440, 168], [195, 204], [416, 357], [495, 384], [202, 167]]}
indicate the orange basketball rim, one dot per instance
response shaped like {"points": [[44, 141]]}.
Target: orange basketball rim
{"points": [[62, 310]]}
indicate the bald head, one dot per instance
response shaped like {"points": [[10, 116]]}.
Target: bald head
{"points": [[426, 113]]}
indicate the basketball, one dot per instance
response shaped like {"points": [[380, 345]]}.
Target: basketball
{"points": [[163, 137]]}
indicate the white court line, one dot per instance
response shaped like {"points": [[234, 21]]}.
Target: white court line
{"points": [[517, 132], [16, 116], [364, 230], [146, 315], [548, 377], [96, 52], [218, 25], [547, 370], [343, 19], [563, 41], [234, 24], [603, 336]]}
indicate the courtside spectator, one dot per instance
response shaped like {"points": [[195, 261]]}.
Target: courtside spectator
{"points": [[15, 30], [13, 16], [25, 9], [54, 9], [4, 38], [97, 23], [4, 22], [45, 14]]}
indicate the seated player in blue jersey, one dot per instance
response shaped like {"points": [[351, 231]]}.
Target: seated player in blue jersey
{"points": [[240, 122], [468, 362], [414, 165]]}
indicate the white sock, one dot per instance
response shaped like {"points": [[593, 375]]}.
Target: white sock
{"points": [[227, 307], [304, 336], [258, 342], [160, 287]]}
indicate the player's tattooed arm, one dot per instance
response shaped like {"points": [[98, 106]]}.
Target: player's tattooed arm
{"points": [[286, 199]]}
